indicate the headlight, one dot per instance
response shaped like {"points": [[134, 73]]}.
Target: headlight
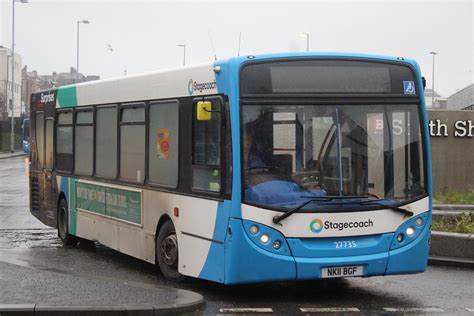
{"points": [[264, 239], [419, 221], [400, 237], [253, 229], [410, 231], [276, 244]]}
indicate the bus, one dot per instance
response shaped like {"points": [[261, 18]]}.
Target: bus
{"points": [[291, 166], [25, 136]]}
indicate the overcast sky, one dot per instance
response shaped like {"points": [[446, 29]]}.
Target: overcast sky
{"points": [[144, 35]]}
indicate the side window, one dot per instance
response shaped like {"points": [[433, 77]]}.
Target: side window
{"points": [[207, 150], [64, 131], [132, 142], [83, 141], [39, 132], [49, 144], [106, 142], [163, 142]]}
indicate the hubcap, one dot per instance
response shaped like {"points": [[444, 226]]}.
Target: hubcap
{"points": [[169, 250]]}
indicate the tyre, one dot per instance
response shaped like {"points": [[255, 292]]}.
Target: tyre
{"points": [[166, 254], [63, 224]]}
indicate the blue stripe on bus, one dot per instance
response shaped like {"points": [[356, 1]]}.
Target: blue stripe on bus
{"points": [[213, 268]]}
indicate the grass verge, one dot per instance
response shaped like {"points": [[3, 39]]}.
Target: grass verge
{"points": [[461, 224], [454, 197]]}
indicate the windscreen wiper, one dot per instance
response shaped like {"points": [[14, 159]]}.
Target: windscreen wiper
{"points": [[321, 200], [329, 198], [336, 197], [277, 219], [392, 207]]}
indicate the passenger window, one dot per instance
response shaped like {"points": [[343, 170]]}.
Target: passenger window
{"points": [[49, 144], [106, 142], [132, 143], [39, 134], [207, 150], [84, 140], [64, 132], [163, 143]]}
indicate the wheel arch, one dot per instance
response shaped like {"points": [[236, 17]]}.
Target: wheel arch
{"points": [[61, 196], [163, 219]]}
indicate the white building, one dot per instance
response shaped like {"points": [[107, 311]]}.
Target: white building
{"points": [[428, 97], [6, 83]]}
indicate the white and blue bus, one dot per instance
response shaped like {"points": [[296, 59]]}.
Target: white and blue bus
{"points": [[251, 169]]}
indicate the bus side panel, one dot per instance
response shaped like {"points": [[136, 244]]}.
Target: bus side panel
{"points": [[200, 226], [214, 266]]}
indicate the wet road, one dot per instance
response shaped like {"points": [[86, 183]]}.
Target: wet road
{"points": [[36, 247]]}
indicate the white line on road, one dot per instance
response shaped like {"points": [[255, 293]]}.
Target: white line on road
{"points": [[470, 310], [414, 310], [328, 309], [247, 310]]}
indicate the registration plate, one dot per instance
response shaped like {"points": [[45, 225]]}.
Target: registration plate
{"points": [[339, 272]]}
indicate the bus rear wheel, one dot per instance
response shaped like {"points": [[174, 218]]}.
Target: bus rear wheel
{"points": [[166, 254], [63, 224]]}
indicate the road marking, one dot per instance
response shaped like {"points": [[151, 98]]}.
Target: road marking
{"points": [[328, 309], [247, 310], [414, 310], [470, 310]]}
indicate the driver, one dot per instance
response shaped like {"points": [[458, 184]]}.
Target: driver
{"points": [[252, 157]]}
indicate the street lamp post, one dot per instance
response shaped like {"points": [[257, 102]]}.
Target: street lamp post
{"points": [[12, 134], [432, 81], [77, 53], [184, 53], [307, 40]]}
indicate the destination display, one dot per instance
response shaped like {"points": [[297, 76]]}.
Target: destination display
{"points": [[327, 76]]}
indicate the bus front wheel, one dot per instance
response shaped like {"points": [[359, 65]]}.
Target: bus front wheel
{"points": [[167, 252], [63, 224]]}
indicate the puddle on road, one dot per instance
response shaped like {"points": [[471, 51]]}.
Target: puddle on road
{"points": [[29, 238]]}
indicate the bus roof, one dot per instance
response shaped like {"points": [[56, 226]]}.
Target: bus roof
{"points": [[176, 82]]}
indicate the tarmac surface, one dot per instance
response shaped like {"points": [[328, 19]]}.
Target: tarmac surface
{"points": [[36, 268]]}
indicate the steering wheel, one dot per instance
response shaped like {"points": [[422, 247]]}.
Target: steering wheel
{"points": [[371, 194], [269, 168]]}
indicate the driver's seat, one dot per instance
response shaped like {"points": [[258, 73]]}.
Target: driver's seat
{"points": [[284, 163]]}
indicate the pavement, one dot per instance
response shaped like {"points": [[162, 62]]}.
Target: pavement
{"points": [[59, 291], [52, 286], [5, 155]]}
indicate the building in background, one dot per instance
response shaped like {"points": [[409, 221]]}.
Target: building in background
{"points": [[440, 103], [32, 82], [428, 97], [6, 84], [462, 99]]}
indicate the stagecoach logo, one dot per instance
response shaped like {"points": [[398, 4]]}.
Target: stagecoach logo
{"points": [[317, 225], [198, 86]]}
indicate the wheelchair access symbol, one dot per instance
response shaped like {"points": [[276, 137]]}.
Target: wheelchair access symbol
{"points": [[409, 87]]}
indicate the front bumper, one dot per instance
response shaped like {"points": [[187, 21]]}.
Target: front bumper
{"points": [[246, 262]]}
